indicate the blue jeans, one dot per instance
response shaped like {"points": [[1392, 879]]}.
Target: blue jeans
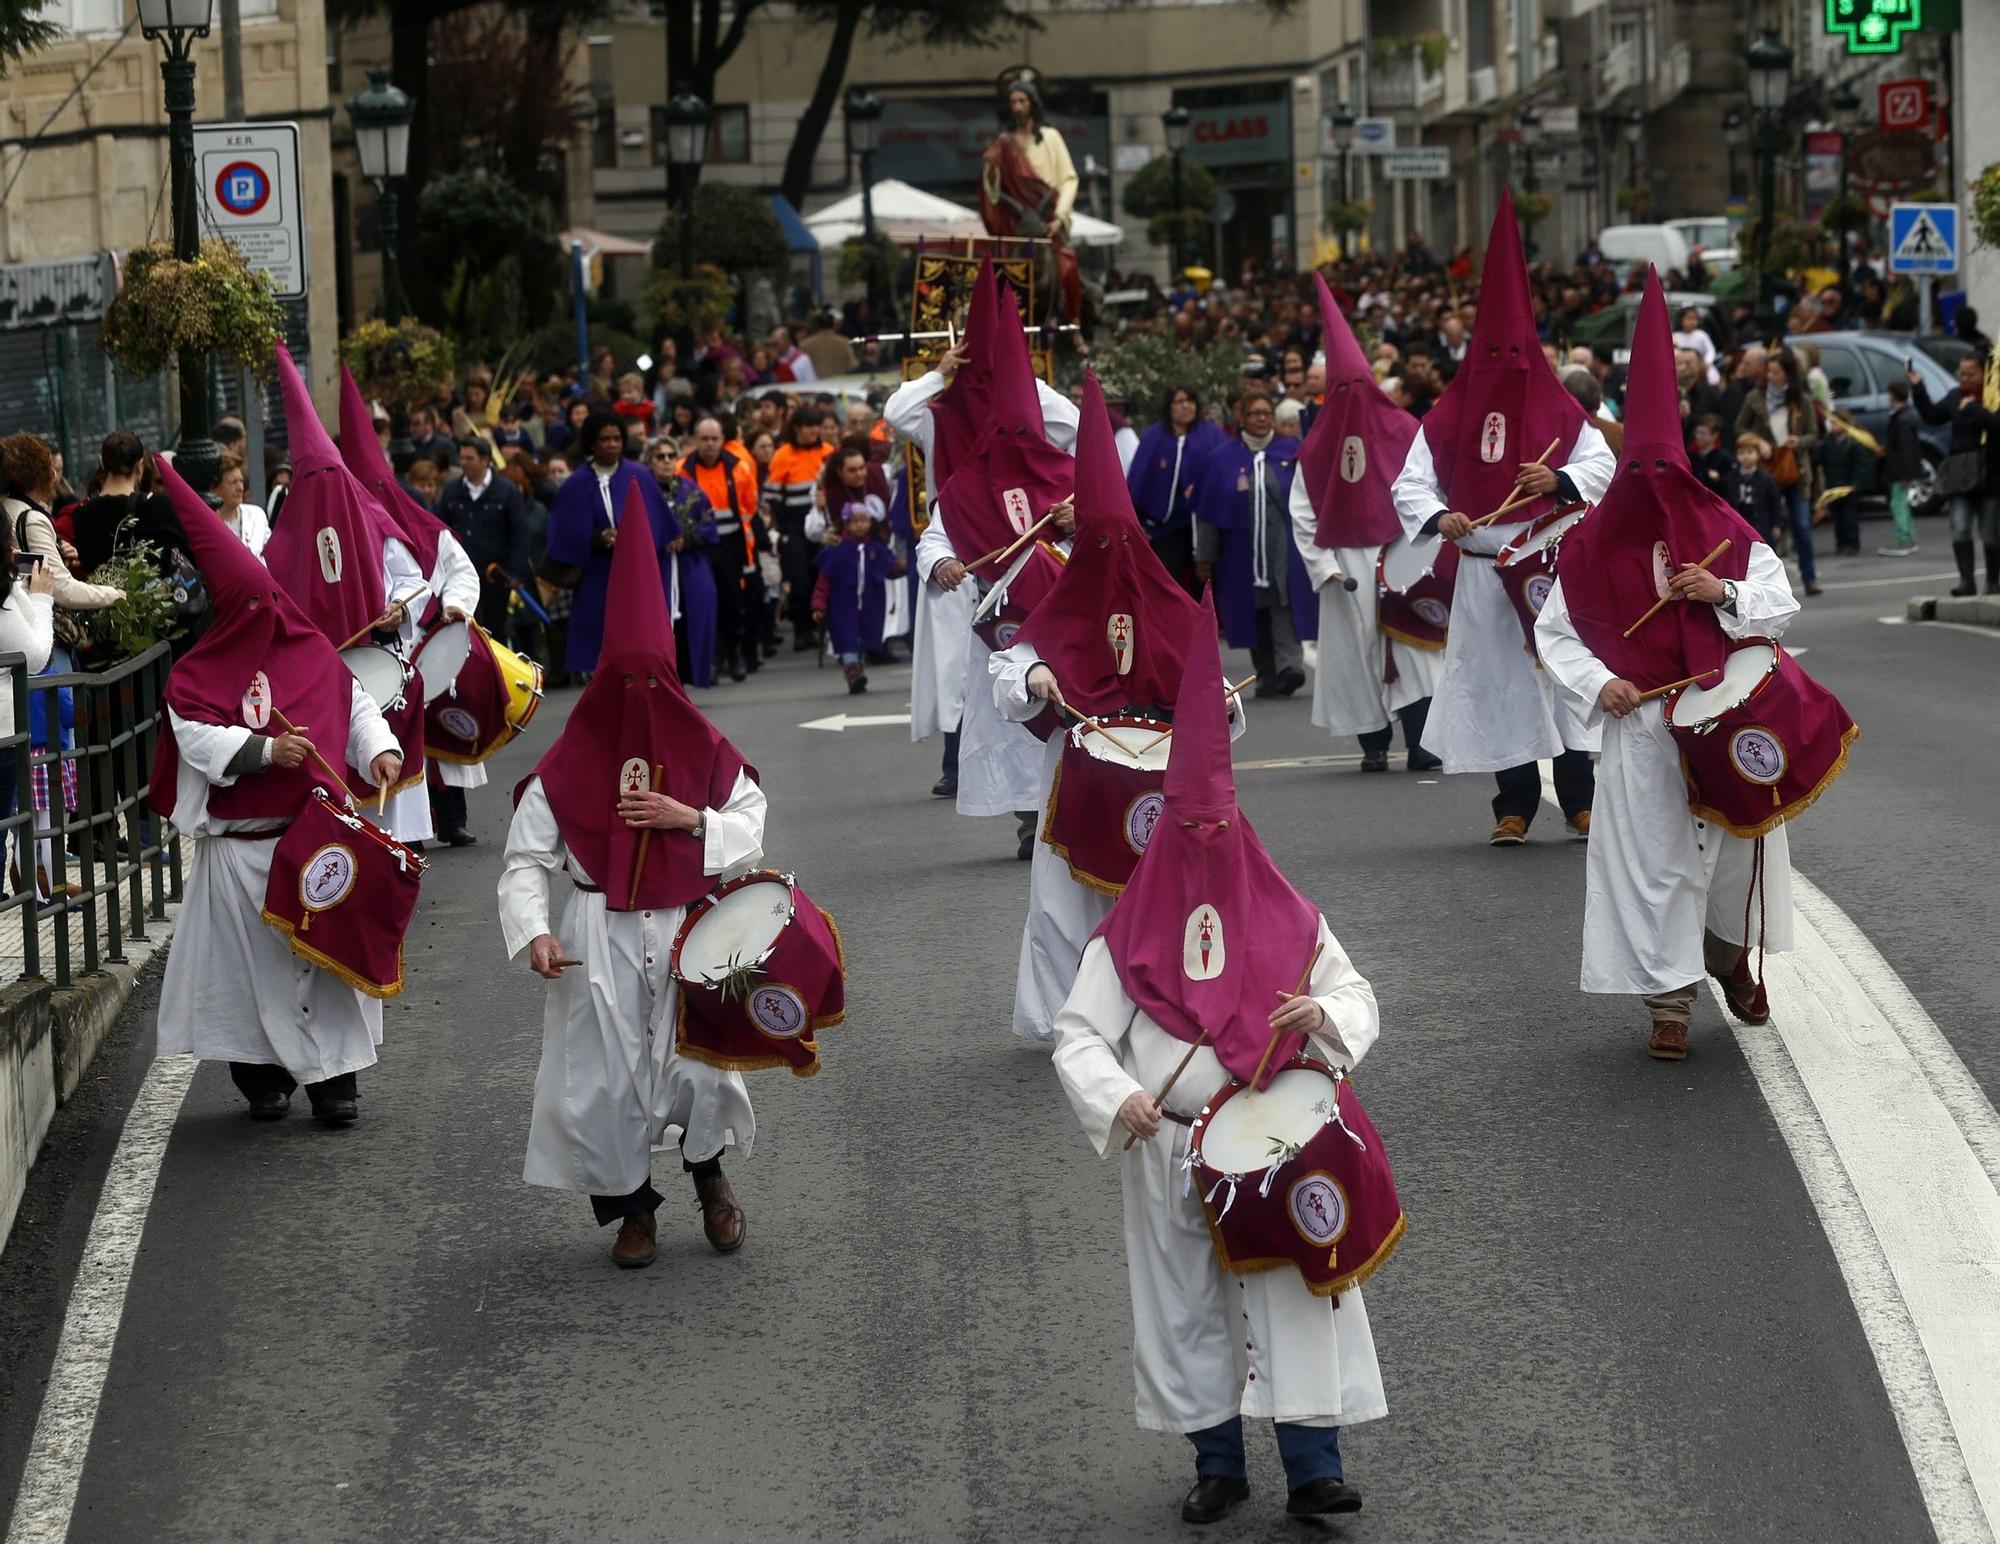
{"points": [[1798, 508], [1309, 1452], [1974, 517]]}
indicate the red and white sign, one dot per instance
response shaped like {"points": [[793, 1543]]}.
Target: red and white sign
{"points": [[1906, 104]]}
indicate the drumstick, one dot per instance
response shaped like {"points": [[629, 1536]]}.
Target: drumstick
{"points": [[1003, 553], [1093, 725], [1227, 698], [338, 781], [639, 862], [1278, 1034], [404, 601], [1661, 691], [1168, 1087], [381, 802], [564, 964], [1520, 495], [1720, 548]]}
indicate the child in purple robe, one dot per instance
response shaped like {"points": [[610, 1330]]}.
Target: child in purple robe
{"points": [[851, 595]]}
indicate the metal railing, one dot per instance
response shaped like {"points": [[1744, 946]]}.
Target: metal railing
{"points": [[129, 858]]}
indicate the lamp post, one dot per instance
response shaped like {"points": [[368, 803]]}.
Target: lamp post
{"points": [[864, 133], [1340, 121], [381, 116], [1845, 105], [1175, 121], [180, 23], [1732, 131], [1529, 124], [1770, 71], [1635, 132], [687, 148]]}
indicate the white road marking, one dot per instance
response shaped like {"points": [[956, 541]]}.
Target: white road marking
{"points": [[1957, 627], [1876, 584], [96, 1303], [841, 722], [1899, 1149]]}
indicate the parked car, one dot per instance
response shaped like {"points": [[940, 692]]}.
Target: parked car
{"points": [[1626, 246], [1859, 367], [1706, 230], [1612, 327], [1721, 260]]}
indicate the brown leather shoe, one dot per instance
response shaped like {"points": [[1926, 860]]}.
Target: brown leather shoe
{"points": [[721, 1217], [635, 1247], [1512, 831], [1669, 1042], [1579, 827], [1745, 993]]}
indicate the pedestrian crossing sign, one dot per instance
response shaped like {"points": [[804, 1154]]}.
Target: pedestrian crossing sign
{"points": [[1923, 238]]}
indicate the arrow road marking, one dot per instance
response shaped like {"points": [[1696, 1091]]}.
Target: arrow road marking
{"points": [[841, 722]]}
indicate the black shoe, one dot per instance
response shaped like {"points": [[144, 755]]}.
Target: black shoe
{"points": [[857, 686], [459, 839], [1965, 587], [1374, 761], [1212, 1498], [269, 1106], [336, 1112], [1290, 681], [736, 670], [1422, 760], [945, 787], [1321, 1497], [1813, 589]]}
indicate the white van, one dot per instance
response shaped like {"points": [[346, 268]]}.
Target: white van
{"points": [[1661, 245]]}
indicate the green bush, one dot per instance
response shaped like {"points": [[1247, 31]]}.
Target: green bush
{"points": [[735, 229], [1142, 367]]}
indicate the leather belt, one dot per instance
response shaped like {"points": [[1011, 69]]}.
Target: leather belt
{"points": [[1176, 1117], [587, 889], [250, 836]]}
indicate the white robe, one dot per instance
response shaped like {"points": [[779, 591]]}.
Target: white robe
{"points": [[1309, 1361], [611, 1082], [455, 582], [1062, 914], [233, 989], [1493, 709], [408, 818], [1655, 874], [1349, 694], [942, 655]]}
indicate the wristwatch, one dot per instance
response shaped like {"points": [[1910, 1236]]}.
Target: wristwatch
{"points": [[700, 831], [1729, 596]]}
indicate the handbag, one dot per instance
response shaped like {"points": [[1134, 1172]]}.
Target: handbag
{"points": [[1785, 467], [1962, 472]]}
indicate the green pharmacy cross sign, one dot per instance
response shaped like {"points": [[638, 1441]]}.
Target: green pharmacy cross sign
{"points": [[1873, 26]]}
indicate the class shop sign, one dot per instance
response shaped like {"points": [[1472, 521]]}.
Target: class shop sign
{"points": [[1240, 135]]}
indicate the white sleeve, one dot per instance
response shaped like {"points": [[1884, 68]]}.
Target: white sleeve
{"points": [[27, 624], [803, 369], [1127, 441], [455, 580], [403, 579], [934, 546], [368, 734], [1416, 489], [1059, 417], [534, 851], [908, 409], [1090, 1026], [815, 524], [208, 748], [1009, 669], [254, 526], [1591, 464], [1321, 565], [735, 838], [1580, 673], [1344, 995], [1765, 604]]}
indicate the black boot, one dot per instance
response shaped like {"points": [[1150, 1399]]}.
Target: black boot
{"points": [[947, 785], [1375, 750], [1962, 550], [1992, 569], [1414, 718]]}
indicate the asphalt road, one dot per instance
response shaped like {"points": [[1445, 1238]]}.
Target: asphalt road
{"points": [[1616, 1315]]}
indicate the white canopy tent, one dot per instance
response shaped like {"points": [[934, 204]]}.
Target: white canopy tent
{"points": [[905, 213]]}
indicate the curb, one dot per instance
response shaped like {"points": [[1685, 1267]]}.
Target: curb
{"points": [[1965, 610]]}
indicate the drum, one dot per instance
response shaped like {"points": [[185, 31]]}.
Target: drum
{"points": [[391, 683], [1413, 585], [760, 970], [342, 893], [1760, 744], [1107, 797], [383, 673], [1527, 564], [490, 697], [1295, 1174]]}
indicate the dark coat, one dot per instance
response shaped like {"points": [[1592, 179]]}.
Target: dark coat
{"points": [[493, 528]]}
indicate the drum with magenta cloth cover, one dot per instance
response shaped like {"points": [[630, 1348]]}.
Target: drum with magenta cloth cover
{"points": [[1527, 564], [1294, 1174], [343, 892], [1413, 585], [760, 970], [1760, 744], [1107, 796], [392, 684], [480, 692]]}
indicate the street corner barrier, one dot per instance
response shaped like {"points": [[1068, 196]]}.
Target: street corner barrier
{"points": [[27, 1088], [1967, 610]]}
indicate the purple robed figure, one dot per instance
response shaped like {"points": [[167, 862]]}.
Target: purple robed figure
{"points": [[857, 576], [1165, 469], [1225, 498], [577, 517], [694, 628]]}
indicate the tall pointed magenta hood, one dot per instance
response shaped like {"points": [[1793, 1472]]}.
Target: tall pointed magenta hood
{"points": [[1200, 784], [1356, 446], [639, 625], [996, 384], [306, 440], [362, 451], [1652, 420]]}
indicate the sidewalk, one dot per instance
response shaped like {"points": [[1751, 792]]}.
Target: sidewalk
{"points": [[1965, 610]]}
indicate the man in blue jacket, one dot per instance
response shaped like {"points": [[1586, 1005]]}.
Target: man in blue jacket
{"points": [[486, 513]]}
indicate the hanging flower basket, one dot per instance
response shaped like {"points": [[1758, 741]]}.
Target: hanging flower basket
{"points": [[399, 365], [215, 304], [1532, 207], [1985, 190], [694, 304], [1635, 201], [1349, 217]]}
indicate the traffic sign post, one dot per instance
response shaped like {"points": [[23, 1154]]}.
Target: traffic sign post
{"points": [[1372, 136], [248, 176], [1425, 163], [1923, 238]]}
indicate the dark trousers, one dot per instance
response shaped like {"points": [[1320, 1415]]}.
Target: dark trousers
{"points": [[492, 611], [739, 626], [254, 1078], [951, 753], [447, 809], [1175, 550], [1376, 741], [1309, 1452], [1847, 524], [646, 1199], [1520, 788], [795, 556]]}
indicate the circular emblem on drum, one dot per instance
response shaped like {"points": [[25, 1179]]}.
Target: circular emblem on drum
{"points": [[1537, 591], [1318, 1208], [1005, 633], [1757, 754], [327, 877], [459, 723], [778, 1011], [1141, 816], [1432, 610]]}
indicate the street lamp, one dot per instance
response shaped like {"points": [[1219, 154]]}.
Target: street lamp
{"points": [[180, 23], [1845, 104], [1634, 131], [381, 116], [864, 133], [1732, 131], [1175, 121], [687, 148], [1770, 69], [1340, 121]]}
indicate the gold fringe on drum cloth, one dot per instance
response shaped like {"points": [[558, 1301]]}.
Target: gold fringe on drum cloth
{"points": [[1786, 812], [1333, 1288], [332, 966], [761, 1063], [1088, 881]]}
